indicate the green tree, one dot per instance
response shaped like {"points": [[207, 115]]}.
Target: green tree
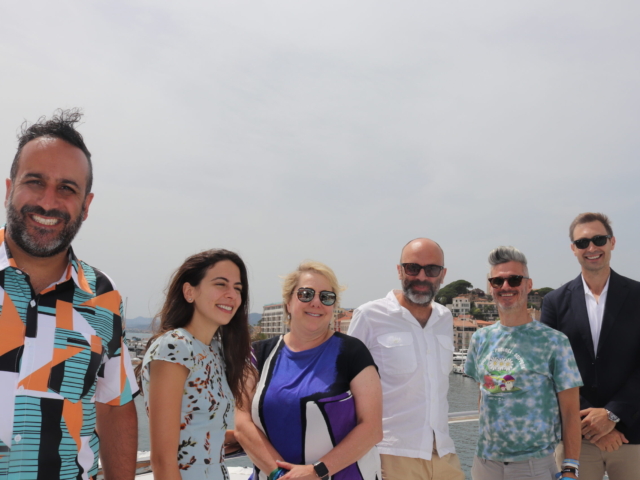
{"points": [[543, 291], [446, 293]]}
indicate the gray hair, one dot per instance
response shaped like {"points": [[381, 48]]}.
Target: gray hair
{"points": [[507, 254]]}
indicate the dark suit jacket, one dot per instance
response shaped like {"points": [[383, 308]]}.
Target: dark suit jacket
{"points": [[611, 376]]}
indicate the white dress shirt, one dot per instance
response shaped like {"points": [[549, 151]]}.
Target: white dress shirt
{"points": [[595, 310], [414, 365]]}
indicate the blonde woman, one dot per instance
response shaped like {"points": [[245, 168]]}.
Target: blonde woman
{"points": [[316, 410]]}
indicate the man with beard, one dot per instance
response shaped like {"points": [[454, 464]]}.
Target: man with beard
{"points": [[65, 373], [521, 425], [411, 340]]}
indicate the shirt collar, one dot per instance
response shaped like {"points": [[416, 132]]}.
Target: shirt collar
{"points": [[587, 290], [73, 271]]}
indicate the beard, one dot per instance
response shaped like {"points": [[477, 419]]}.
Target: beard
{"points": [[42, 243], [514, 306], [418, 297]]}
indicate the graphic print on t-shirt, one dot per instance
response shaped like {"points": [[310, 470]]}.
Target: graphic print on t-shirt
{"points": [[501, 368]]}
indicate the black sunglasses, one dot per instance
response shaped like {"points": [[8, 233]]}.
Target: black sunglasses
{"points": [[327, 298], [512, 280], [598, 241], [413, 269]]}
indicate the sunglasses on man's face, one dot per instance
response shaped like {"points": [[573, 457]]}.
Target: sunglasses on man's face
{"points": [[512, 280], [598, 241], [327, 298], [413, 269]]}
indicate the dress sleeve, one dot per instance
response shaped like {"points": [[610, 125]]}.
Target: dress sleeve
{"points": [[173, 347]]}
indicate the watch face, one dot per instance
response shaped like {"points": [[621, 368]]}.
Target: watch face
{"points": [[321, 469]]}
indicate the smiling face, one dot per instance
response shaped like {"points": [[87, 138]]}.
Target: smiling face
{"points": [[217, 297], [420, 289], [593, 258], [47, 201], [312, 316], [509, 298]]}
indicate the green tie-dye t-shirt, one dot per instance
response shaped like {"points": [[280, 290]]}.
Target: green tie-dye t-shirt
{"points": [[520, 370]]}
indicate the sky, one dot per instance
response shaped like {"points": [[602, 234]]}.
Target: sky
{"points": [[335, 131]]}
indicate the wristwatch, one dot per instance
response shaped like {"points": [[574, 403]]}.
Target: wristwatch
{"points": [[612, 416], [321, 470]]}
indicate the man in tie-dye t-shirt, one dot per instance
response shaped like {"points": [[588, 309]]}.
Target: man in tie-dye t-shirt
{"points": [[528, 383]]}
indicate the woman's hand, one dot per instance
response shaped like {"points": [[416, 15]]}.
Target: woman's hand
{"points": [[305, 472]]}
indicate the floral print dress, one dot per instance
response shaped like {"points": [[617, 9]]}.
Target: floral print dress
{"points": [[207, 402]]}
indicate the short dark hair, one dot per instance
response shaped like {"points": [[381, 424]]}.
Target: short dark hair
{"points": [[589, 217], [60, 125]]}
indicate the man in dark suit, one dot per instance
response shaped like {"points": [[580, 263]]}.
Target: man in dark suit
{"points": [[600, 313]]}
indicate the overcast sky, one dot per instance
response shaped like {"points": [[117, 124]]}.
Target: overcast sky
{"points": [[336, 131]]}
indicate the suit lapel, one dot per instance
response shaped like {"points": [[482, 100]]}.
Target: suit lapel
{"points": [[616, 295], [579, 307]]}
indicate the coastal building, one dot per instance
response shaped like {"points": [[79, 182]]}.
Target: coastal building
{"points": [[535, 300], [273, 319], [464, 327], [342, 321], [488, 309], [461, 305]]}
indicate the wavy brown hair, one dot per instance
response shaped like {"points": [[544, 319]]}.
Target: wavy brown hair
{"points": [[234, 337]]}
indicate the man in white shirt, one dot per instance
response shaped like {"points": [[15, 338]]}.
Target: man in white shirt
{"points": [[600, 313], [411, 340]]}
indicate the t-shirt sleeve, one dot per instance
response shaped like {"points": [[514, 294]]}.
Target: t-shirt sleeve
{"points": [[358, 358], [563, 364], [470, 365]]}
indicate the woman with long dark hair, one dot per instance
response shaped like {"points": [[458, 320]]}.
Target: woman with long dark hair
{"points": [[196, 366]]}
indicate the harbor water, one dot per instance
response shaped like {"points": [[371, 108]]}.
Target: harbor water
{"points": [[463, 397]]}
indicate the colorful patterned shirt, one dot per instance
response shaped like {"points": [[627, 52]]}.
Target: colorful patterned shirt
{"points": [[520, 370], [61, 350]]}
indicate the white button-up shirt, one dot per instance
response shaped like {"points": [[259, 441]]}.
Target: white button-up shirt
{"points": [[414, 365], [595, 310]]}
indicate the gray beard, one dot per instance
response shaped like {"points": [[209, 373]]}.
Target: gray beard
{"points": [[17, 230], [420, 299]]}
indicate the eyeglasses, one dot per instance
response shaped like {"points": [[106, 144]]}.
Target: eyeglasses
{"points": [[413, 269], [327, 298], [598, 241], [512, 280]]}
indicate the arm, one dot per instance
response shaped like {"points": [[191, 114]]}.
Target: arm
{"points": [[367, 394], [252, 439], [166, 388], [117, 427], [569, 401]]}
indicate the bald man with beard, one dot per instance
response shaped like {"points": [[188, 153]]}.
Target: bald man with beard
{"points": [[411, 339]]}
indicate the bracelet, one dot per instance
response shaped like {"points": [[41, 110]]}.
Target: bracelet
{"points": [[277, 473], [570, 462], [572, 470]]}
